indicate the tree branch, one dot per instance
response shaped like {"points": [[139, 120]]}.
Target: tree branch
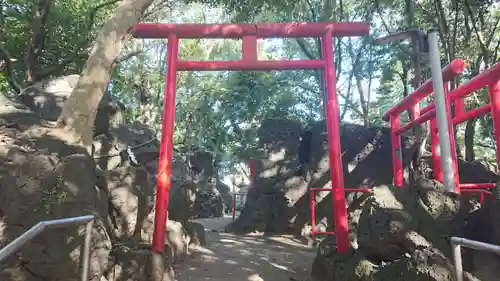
{"points": [[493, 33], [82, 44], [36, 45], [311, 9], [497, 49], [358, 78], [128, 56], [9, 69], [482, 43], [486, 146], [305, 48], [386, 26]]}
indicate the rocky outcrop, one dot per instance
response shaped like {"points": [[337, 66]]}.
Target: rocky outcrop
{"points": [[294, 160], [182, 204], [277, 184], [212, 195], [209, 204], [45, 177], [225, 192], [46, 99], [41, 178], [401, 233], [131, 262], [482, 226]]}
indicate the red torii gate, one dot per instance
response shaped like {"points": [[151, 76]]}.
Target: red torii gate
{"points": [[249, 62]]}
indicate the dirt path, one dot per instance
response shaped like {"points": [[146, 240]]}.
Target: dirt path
{"points": [[229, 257]]}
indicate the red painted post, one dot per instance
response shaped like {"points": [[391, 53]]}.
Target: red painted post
{"points": [[252, 172], [312, 203], [436, 155], [165, 160], [415, 111], [335, 153], [459, 107], [494, 93], [249, 48], [397, 155]]}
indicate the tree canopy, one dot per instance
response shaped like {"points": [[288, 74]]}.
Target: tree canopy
{"points": [[221, 111]]}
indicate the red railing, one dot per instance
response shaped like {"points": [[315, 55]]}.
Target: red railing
{"points": [[489, 78]]}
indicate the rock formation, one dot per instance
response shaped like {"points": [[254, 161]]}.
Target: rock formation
{"points": [[395, 233], [42, 177], [288, 167], [404, 233]]}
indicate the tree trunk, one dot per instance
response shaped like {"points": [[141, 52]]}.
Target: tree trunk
{"points": [[469, 140], [35, 47], [79, 111]]}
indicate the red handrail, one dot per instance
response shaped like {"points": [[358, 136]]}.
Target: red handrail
{"points": [[456, 67]]}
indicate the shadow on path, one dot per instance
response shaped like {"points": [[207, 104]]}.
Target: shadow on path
{"points": [[246, 257]]}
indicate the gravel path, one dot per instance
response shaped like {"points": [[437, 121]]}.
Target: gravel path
{"points": [[246, 257]]}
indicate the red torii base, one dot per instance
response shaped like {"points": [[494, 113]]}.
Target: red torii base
{"points": [[249, 33]]}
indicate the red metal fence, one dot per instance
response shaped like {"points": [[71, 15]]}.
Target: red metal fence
{"points": [[489, 78]]}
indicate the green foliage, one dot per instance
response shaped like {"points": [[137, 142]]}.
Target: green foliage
{"points": [[55, 195], [68, 33], [221, 111]]}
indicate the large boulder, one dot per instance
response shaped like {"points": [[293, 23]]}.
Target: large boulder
{"points": [[130, 182], [209, 204], [110, 149], [483, 226], [277, 184], [182, 204], [201, 166], [43, 177], [225, 193], [131, 194], [46, 99], [133, 263], [295, 159], [403, 233]]}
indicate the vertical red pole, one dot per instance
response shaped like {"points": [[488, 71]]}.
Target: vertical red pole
{"points": [[165, 160], [397, 155], [436, 155], [451, 131], [249, 48], [415, 111], [335, 153], [459, 107], [312, 203], [494, 92]]}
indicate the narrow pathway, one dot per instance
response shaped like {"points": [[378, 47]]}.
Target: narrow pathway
{"points": [[229, 257]]}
